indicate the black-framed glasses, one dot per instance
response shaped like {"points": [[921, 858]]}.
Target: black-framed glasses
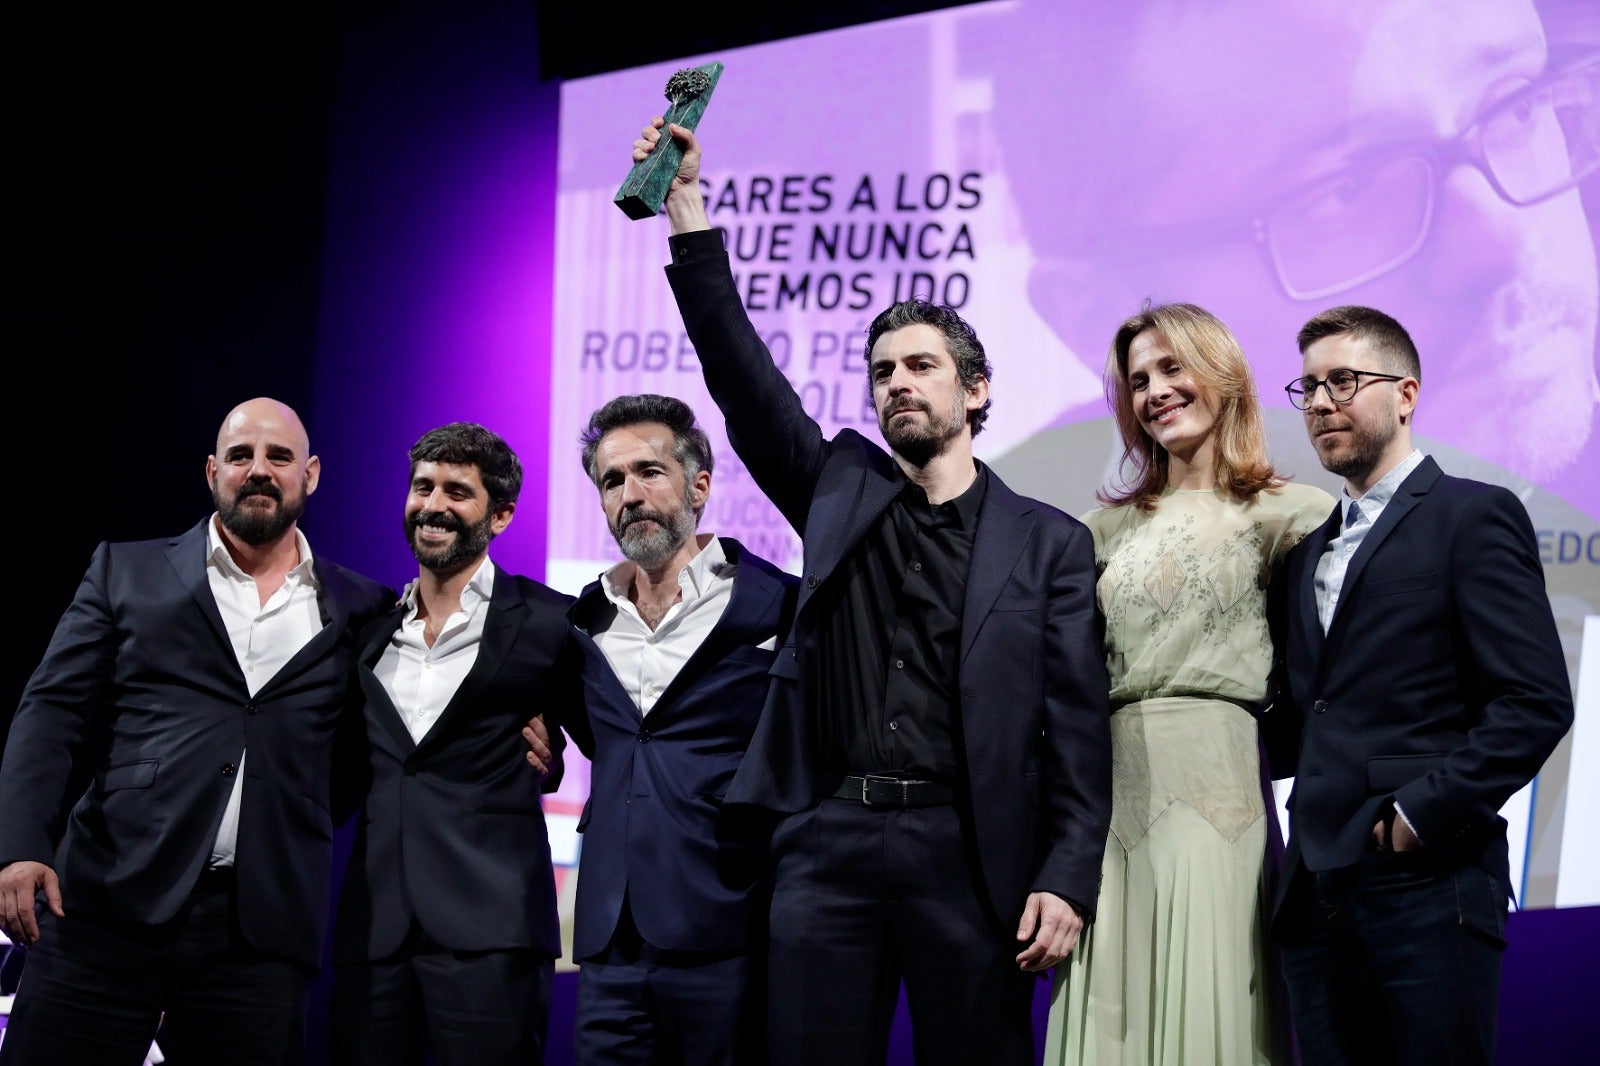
{"points": [[1342, 385], [1372, 216]]}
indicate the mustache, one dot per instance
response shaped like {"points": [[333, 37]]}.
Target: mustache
{"points": [[910, 403], [261, 487], [441, 519], [1322, 425], [628, 518]]}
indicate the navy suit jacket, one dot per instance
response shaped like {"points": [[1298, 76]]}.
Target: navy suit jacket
{"points": [[452, 832], [1440, 683], [1033, 730], [135, 719], [656, 818]]}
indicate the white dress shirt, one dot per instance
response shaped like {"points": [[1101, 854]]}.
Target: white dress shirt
{"points": [[1341, 549], [264, 637], [421, 681], [646, 660]]}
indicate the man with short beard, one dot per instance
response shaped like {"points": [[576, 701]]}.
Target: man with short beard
{"points": [[671, 916], [938, 725], [1424, 684], [447, 932], [170, 760]]}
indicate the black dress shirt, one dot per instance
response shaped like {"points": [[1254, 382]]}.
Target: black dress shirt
{"points": [[891, 640]]}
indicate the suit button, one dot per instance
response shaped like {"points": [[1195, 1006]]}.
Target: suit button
{"points": [[251, 708], [811, 581], [227, 769], [643, 736], [1320, 706], [411, 771]]}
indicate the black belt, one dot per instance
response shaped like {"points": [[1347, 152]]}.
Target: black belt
{"points": [[877, 790]]}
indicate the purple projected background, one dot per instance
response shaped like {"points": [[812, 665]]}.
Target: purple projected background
{"points": [[1047, 166], [179, 254]]}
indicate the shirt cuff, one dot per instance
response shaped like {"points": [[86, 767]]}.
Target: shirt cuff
{"points": [[700, 244], [1409, 826]]}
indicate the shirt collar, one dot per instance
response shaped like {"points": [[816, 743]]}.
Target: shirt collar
{"points": [[708, 564], [960, 513], [217, 555], [1375, 499], [479, 589]]}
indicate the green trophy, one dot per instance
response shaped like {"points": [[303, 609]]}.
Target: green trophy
{"points": [[689, 90]]}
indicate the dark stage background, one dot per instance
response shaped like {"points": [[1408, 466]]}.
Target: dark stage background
{"points": [[176, 178]]}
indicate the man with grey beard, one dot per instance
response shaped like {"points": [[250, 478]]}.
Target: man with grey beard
{"points": [[166, 781], [447, 933], [678, 638]]}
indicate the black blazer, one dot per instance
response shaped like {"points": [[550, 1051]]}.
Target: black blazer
{"points": [[1440, 683], [135, 718], [656, 818], [451, 832], [1034, 711]]}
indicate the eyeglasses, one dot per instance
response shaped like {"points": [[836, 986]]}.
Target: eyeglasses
{"points": [[1369, 218], [1342, 385]]}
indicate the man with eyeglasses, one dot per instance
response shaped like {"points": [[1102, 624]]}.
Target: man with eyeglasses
{"points": [[1258, 157], [1422, 684]]}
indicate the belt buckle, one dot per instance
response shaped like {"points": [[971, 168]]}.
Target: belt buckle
{"points": [[867, 779]]}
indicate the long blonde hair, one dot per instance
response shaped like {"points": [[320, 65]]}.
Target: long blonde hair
{"points": [[1208, 350]]}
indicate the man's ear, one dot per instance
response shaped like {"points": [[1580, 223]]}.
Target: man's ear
{"points": [[700, 490], [313, 474], [1407, 389], [502, 518]]}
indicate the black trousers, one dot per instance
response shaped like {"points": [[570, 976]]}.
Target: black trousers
{"points": [[640, 1005], [1394, 960], [94, 991], [865, 898], [469, 1008]]}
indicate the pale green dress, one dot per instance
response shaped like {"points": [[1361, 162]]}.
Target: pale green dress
{"points": [[1174, 968]]}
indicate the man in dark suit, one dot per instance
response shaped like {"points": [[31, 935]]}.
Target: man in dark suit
{"points": [[447, 933], [1425, 686], [671, 906], [938, 723], [166, 779]]}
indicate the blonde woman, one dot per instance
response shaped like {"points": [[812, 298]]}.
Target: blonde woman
{"points": [[1175, 968]]}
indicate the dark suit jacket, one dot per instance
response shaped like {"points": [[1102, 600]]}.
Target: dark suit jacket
{"points": [[1033, 725], [451, 832], [655, 818], [135, 719], [1440, 682]]}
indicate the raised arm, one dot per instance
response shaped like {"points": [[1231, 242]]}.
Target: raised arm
{"points": [[767, 425]]}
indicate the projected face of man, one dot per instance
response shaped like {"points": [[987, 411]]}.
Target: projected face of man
{"points": [[1263, 149]]}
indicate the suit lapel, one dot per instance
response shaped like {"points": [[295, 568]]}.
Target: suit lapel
{"points": [[1005, 523], [187, 556], [333, 603], [753, 593], [828, 540], [591, 608], [1410, 492], [377, 697], [507, 612], [1305, 592]]}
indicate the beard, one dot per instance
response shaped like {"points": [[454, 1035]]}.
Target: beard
{"points": [[254, 525], [470, 541], [649, 546], [1363, 448], [920, 440]]}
